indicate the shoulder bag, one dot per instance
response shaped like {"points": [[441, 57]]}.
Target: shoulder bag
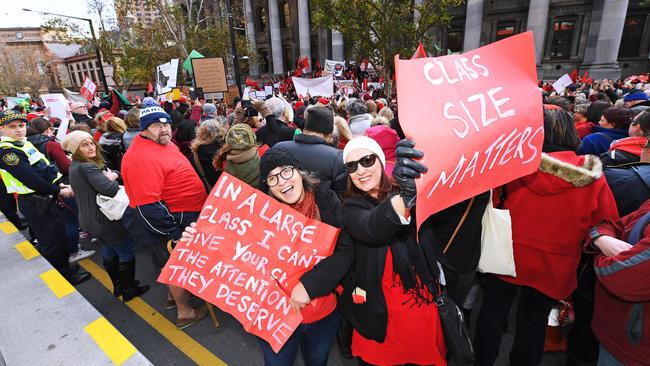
{"points": [[112, 207], [497, 255], [460, 351]]}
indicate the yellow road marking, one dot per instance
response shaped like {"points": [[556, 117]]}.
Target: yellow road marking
{"points": [[27, 250], [110, 340], [57, 283], [7, 227], [186, 344]]}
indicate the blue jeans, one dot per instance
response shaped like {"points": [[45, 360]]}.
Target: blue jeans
{"points": [[124, 251], [313, 339], [607, 359]]}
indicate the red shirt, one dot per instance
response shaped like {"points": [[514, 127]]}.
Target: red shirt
{"points": [[413, 334], [154, 172]]}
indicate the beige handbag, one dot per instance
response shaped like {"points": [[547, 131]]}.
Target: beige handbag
{"points": [[497, 255]]}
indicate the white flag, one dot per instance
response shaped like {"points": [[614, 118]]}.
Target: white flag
{"points": [[323, 87]]}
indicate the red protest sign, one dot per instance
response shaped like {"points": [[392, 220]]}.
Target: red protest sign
{"points": [[248, 254], [88, 89], [477, 116]]}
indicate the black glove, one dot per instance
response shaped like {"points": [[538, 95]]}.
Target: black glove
{"points": [[407, 169]]}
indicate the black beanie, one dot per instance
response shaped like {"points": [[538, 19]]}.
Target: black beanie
{"points": [[274, 158], [319, 119]]}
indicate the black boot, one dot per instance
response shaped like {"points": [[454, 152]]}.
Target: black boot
{"points": [[127, 279], [111, 266], [344, 339]]}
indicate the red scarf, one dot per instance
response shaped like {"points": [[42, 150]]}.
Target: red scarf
{"points": [[308, 206]]}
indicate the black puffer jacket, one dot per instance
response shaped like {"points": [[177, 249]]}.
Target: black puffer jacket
{"points": [[317, 156], [206, 154], [113, 146]]}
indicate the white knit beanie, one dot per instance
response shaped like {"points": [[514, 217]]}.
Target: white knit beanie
{"points": [[72, 140], [364, 142]]}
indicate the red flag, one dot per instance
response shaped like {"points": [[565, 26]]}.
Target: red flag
{"points": [[365, 84], [317, 65], [419, 52], [150, 88], [574, 75], [585, 77]]}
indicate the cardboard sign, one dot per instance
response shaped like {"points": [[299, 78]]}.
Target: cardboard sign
{"points": [[316, 87], [482, 125], [231, 95], [88, 89], [210, 74], [248, 254]]}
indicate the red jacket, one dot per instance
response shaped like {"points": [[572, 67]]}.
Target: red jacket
{"points": [[552, 211], [622, 304]]}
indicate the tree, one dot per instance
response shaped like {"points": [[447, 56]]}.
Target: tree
{"points": [[380, 29], [25, 70]]}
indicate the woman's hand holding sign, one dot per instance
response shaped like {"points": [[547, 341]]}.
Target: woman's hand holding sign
{"points": [[189, 232], [299, 297], [407, 169]]}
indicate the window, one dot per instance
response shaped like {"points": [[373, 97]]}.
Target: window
{"points": [[455, 40], [505, 30], [264, 61], [632, 33], [287, 57], [562, 38], [261, 19], [285, 19]]}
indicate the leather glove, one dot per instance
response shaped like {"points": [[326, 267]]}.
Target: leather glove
{"points": [[407, 169], [261, 107]]}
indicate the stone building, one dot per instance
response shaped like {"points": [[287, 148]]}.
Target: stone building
{"points": [[609, 38]]}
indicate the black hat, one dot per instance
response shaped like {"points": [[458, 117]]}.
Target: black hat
{"points": [[274, 158], [319, 119], [8, 116]]}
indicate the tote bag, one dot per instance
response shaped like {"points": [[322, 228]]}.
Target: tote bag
{"points": [[496, 242], [113, 207]]}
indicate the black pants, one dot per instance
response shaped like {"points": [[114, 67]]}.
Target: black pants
{"points": [[531, 320], [8, 206], [49, 230]]}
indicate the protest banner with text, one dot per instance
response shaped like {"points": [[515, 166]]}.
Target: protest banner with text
{"points": [[477, 116], [248, 254]]}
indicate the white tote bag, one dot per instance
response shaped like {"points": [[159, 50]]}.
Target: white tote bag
{"points": [[496, 242], [113, 207]]}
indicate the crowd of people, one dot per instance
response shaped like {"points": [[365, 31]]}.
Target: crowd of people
{"points": [[578, 223]]}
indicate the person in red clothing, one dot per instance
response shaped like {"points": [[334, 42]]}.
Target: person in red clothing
{"points": [[622, 300], [41, 134], [552, 210], [165, 195], [387, 296]]}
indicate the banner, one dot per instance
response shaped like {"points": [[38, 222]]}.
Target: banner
{"points": [[74, 96], [249, 253], [483, 125], [58, 106], [562, 83], [335, 67], [210, 74], [166, 75], [323, 87], [88, 89]]}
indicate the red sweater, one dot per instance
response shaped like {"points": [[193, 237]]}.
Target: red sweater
{"points": [[60, 159], [154, 172], [622, 302], [552, 211]]}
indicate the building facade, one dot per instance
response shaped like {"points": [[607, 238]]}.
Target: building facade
{"points": [[608, 38]]}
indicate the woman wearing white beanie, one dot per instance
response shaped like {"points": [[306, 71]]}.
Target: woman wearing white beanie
{"points": [[386, 297]]}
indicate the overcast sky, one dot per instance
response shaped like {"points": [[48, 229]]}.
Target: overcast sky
{"points": [[11, 14]]}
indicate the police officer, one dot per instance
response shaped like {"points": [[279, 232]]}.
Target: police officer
{"points": [[27, 172]]}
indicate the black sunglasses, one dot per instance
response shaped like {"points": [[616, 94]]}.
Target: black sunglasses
{"points": [[366, 162]]}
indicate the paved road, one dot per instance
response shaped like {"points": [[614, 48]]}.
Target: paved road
{"points": [[149, 326]]}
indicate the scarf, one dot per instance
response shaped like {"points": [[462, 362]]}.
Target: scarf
{"points": [[308, 206]]}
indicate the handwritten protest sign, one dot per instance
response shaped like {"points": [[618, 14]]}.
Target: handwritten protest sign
{"points": [[248, 254], [477, 116]]}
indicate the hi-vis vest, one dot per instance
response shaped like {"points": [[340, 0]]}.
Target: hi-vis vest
{"points": [[14, 185]]}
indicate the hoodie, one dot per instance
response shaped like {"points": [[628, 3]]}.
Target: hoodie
{"points": [[600, 139], [552, 210]]}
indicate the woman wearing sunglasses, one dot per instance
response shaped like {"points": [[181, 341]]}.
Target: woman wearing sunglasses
{"points": [[386, 297], [283, 180]]}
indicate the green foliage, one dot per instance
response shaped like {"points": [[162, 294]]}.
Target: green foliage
{"points": [[380, 29]]}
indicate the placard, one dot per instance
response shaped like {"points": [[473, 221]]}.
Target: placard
{"points": [[210, 74], [166, 75], [249, 253], [483, 125]]}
